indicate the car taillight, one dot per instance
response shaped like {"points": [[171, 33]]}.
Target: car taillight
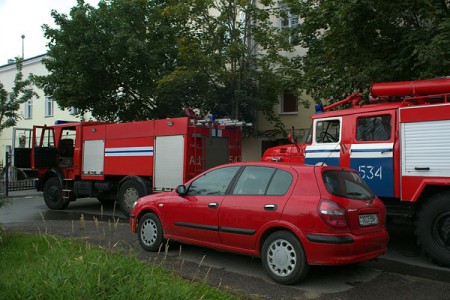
{"points": [[333, 214]]}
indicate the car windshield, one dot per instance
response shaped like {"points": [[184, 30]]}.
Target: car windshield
{"points": [[346, 184]]}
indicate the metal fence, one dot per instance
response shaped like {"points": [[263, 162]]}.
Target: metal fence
{"points": [[14, 179]]}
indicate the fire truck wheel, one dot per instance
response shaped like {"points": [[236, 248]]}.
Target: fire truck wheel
{"points": [[129, 192], [283, 258], [433, 228], [53, 194], [150, 233]]}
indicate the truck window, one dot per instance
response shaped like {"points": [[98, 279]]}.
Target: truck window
{"points": [[328, 131], [373, 128], [47, 138], [69, 134]]}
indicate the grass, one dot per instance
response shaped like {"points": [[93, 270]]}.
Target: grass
{"points": [[42, 266]]}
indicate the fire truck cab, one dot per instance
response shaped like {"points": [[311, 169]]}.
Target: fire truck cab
{"points": [[399, 142]]}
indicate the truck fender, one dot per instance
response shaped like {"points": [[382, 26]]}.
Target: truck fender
{"points": [[54, 172]]}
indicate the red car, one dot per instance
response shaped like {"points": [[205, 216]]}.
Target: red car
{"points": [[291, 216]]}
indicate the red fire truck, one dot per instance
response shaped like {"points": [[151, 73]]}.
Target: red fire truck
{"points": [[126, 161], [400, 144]]}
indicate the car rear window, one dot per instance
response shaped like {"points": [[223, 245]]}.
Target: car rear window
{"points": [[346, 184]]}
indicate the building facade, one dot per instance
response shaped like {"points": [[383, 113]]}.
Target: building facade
{"points": [[40, 110]]}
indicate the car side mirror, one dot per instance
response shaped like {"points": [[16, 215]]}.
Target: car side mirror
{"points": [[181, 190]]}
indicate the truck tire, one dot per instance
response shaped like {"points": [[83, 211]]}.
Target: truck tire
{"points": [[433, 228], [53, 194], [129, 192]]}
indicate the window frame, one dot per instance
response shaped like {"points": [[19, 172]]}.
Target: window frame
{"points": [[49, 107], [282, 110], [28, 110], [316, 133], [287, 23]]}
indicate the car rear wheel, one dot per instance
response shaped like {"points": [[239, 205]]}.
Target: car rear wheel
{"points": [[150, 233], [283, 258]]}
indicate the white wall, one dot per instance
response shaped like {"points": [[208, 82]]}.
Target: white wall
{"points": [[30, 66]]}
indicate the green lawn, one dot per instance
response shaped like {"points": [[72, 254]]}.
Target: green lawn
{"points": [[47, 267]]}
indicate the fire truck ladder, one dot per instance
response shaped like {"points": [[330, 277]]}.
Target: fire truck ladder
{"points": [[67, 189]]}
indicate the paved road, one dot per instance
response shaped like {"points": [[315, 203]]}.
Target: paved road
{"points": [[403, 273]]}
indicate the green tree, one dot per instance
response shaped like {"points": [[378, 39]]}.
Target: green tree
{"points": [[219, 56], [353, 43], [107, 60], [10, 101], [232, 59]]}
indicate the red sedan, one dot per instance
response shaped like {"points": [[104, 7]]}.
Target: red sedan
{"points": [[291, 216]]}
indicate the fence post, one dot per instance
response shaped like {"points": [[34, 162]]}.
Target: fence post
{"points": [[6, 173]]}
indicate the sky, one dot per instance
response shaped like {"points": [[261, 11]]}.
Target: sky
{"points": [[25, 17]]}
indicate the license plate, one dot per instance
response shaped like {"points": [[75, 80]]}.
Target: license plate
{"points": [[368, 219]]}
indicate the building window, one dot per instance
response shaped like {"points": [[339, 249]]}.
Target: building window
{"points": [[288, 24], [28, 109], [289, 103], [48, 106]]}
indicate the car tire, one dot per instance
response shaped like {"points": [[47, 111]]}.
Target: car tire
{"points": [[150, 232], [433, 228], [129, 192], [283, 258], [53, 194]]}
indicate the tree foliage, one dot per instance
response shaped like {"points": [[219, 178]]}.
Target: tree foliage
{"points": [[353, 43], [10, 101], [219, 56], [231, 58], [107, 60]]}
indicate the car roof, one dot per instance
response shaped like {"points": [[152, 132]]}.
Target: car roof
{"points": [[297, 167]]}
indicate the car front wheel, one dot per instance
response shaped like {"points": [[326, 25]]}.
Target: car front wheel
{"points": [[283, 258], [150, 233]]}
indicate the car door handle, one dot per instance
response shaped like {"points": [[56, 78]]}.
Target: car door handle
{"points": [[213, 205], [270, 207]]}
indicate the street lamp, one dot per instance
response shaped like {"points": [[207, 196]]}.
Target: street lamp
{"points": [[23, 39]]}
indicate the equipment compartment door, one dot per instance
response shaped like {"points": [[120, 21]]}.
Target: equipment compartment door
{"points": [[169, 158], [93, 153]]}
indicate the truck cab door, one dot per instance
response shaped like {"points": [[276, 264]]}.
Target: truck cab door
{"points": [[44, 153], [372, 151], [325, 142]]}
